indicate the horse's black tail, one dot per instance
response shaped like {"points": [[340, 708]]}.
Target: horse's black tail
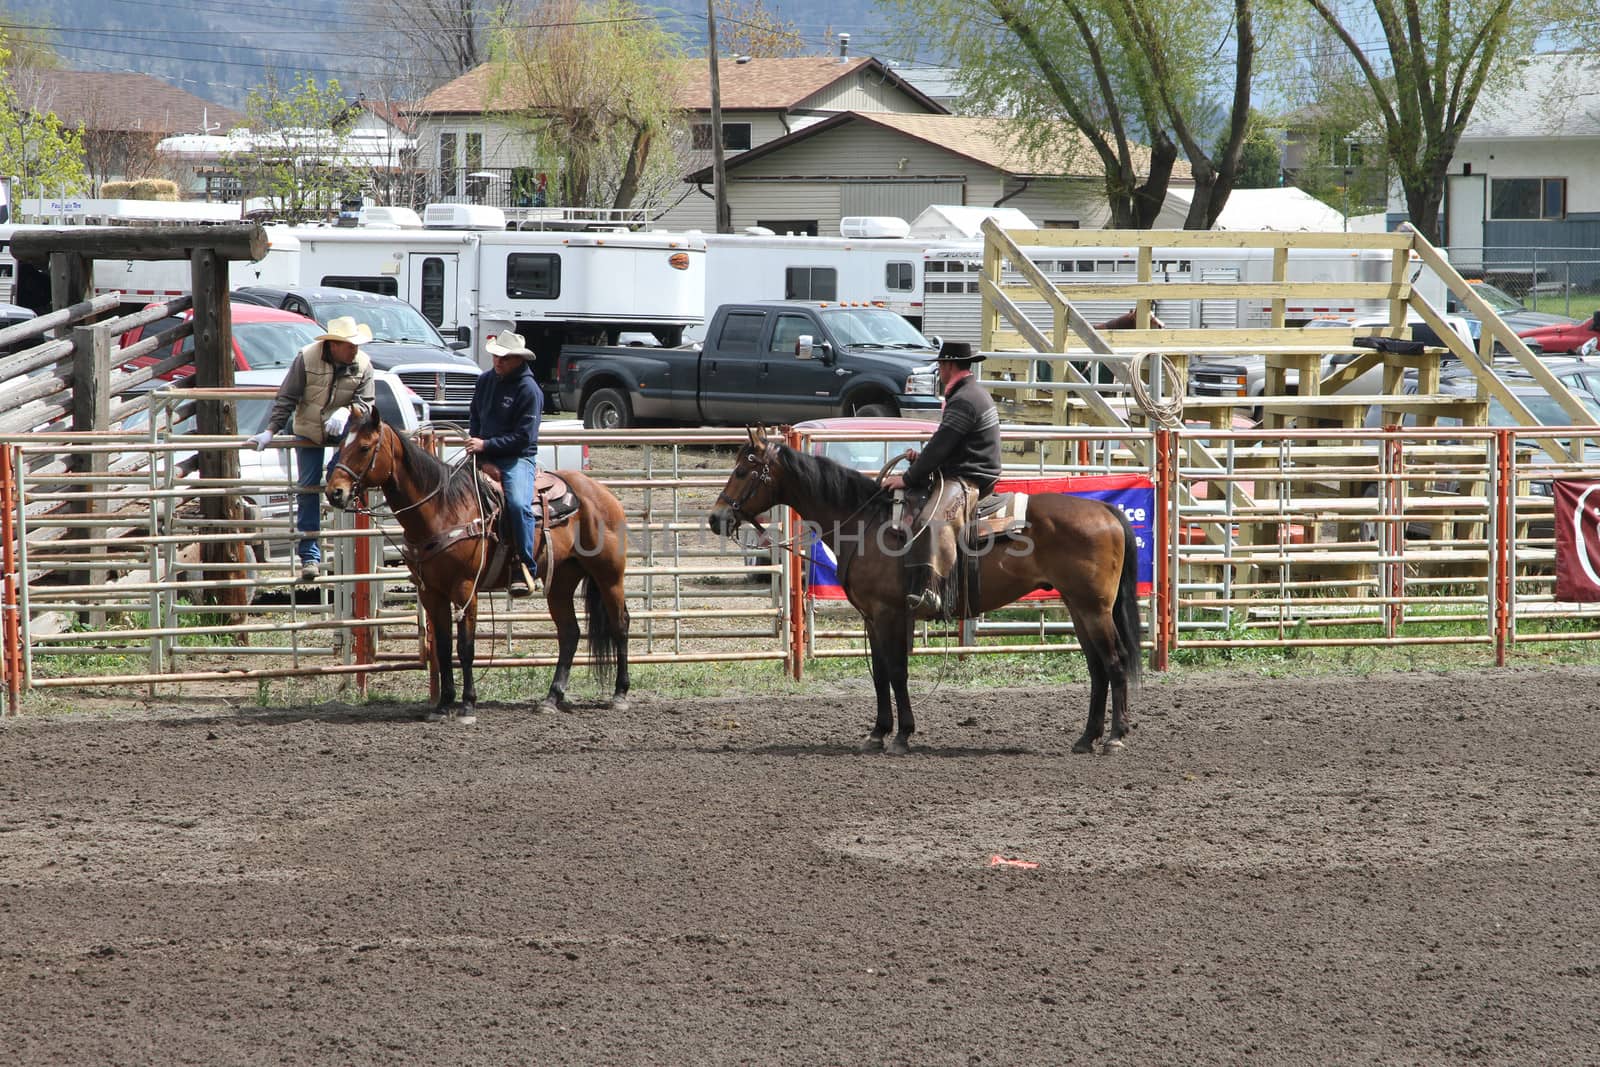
{"points": [[1130, 625], [605, 638]]}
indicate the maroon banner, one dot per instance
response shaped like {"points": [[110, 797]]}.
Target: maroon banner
{"points": [[1577, 540]]}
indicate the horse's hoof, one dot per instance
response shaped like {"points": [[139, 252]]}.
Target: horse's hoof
{"points": [[899, 747], [620, 703], [871, 745], [1112, 746], [553, 704], [1082, 746], [467, 716], [433, 716]]}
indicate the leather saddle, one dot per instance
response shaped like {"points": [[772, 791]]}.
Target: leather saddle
{"points": [[554, 502], [997, 515]]}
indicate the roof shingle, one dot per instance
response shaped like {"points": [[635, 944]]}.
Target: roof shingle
{"points": [[119, 102]]}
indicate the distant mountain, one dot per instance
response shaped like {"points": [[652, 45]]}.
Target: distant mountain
{"points": [[220, 49]]}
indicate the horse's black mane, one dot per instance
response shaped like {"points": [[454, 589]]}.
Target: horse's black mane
{"points": [[825, 479], [455, 486]]}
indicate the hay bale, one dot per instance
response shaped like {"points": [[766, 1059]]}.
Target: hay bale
{"points": [[140, 189]]}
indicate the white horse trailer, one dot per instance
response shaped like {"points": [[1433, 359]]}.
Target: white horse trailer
{"points": [[953, 306]]}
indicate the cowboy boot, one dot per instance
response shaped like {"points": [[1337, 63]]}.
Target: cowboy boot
{"points": [[921, 595], [521, 583]]}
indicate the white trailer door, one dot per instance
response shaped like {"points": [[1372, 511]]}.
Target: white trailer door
{"points": [[431, 288]]}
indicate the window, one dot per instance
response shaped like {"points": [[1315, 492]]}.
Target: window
{"points": [[381, 286], [447, 164], [899, 277], [735, 136], [741, 331], [432, 303], [791, 227], [474, 151], [1527, 198], [811, 283], [1061, 224], [788, 330], [533, 275]]}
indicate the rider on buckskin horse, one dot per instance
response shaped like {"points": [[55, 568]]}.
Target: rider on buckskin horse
{"points": [[503, 428], [965, 449]]}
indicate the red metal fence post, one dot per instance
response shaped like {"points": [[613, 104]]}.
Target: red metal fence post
{"points": [[1166, 582], [797, 592], [11, 624]]}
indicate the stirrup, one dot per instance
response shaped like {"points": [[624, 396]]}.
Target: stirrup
{"points": [[521, 583], [925, 600]]}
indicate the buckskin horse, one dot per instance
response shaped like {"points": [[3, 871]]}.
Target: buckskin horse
{"points": [[1082, 549], [450, 549]]}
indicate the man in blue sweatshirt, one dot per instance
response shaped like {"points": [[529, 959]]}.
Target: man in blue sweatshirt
{"points": [[504, 430]]}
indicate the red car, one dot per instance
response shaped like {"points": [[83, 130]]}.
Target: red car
{"points": [[1567, 337], [263, 338]]}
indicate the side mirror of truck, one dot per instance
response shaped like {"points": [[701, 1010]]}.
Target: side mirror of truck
{"points": [[464, 335], [807, 347], [460, 344]]}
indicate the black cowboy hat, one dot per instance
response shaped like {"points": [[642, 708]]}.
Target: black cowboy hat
{"points": [[960, 352]]}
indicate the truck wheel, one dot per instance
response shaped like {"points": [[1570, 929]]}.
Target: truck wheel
{"points": [[876, 411], [607, 409]]}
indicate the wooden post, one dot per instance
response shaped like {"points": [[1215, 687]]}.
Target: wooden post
{"points": [[91, 412], [71, 277], [213, 364]]}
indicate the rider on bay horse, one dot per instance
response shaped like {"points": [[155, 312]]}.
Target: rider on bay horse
{"points": [[965, 449], [503, 429]]}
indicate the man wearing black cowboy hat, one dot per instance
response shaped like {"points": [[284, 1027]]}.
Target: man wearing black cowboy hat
{"points": [[965, 451]]}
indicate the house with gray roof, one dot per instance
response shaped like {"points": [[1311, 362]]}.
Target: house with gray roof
{"points": [[885, 163]]}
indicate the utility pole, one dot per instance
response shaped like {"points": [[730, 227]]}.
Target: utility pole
{"points": [[719, 168]]}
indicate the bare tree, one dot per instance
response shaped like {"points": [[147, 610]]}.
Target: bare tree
{"points": [[449, 37], [750, 28], [597, 87]]}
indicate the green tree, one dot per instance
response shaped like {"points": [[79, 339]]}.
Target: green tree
{"points": [[1135, 77], [596, 86], [1416, 71], [296, 158], [1260, 160], [36, 147]]}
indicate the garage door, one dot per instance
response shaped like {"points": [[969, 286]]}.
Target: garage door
{"points": [[904, 200]]}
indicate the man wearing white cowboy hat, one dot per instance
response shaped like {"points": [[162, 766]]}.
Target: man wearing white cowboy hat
{"points": [[965, 450], [503, 429], [327, 377]]}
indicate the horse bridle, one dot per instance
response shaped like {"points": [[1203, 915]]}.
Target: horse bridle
{"points": [[762, 475]]}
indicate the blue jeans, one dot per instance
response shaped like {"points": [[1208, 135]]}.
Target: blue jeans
{"points": [[517, 475], [310, 471]]}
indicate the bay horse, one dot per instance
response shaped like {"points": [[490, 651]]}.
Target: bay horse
{"points": [[449, 552], [1081, 548]]}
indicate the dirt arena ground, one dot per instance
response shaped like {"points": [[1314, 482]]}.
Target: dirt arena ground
{"points": [[1392, 869]]}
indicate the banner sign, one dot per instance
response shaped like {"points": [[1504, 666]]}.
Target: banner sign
{"points": [[1577, 506], [1135, 494]]}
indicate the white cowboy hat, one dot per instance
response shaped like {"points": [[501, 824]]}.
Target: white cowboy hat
{"points": [[346, 328], [507, 344]]}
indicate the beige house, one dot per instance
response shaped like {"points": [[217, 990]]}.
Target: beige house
{"points": [[472, 151], [878, 163]]}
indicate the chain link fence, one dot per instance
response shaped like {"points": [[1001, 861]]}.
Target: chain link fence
{"points": [[1562, 281]]}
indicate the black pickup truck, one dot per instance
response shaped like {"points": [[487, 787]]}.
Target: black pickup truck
{"points": [[777, 362]]}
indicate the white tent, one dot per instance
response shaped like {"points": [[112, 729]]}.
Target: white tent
{"points": [[1282, 209], [949, 222]]}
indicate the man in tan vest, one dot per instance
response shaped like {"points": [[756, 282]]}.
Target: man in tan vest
{"points": [[327, 377]]}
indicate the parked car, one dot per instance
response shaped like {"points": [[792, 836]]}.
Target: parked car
{"points": [[1568, 337], [263, 338], [1511, 311], [402, 339], [771, 361]]}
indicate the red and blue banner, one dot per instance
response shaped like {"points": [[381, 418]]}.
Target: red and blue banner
{"points": [[1135, 494]]}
